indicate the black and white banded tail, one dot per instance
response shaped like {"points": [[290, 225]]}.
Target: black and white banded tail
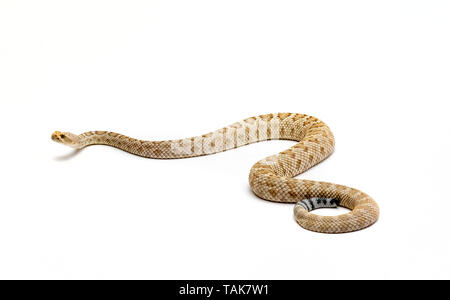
{"points": [[318, 202]]}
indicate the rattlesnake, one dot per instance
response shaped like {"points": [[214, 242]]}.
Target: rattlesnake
{"points": [[270, 178]]}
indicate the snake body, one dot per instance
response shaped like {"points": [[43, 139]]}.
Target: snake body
{"points": [[270, 178]]}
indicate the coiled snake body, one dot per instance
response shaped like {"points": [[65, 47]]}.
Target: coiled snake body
{"points": [[270, 178]]}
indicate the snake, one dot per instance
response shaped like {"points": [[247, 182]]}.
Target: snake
{"points": [[272, 178]]}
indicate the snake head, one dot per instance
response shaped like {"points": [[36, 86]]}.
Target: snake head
{"points": [[66, 138]]}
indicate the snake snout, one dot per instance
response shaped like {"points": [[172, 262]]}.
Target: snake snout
{"points": [[61, 137], [56, 136]]}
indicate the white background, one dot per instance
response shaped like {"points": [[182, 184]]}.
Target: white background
{"points": [[378, 72]]}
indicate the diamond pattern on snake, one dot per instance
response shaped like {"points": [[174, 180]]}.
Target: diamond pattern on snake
{"points": [[271, 178]]}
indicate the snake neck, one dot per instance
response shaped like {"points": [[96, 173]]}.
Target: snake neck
{"points": [[149, 149]]}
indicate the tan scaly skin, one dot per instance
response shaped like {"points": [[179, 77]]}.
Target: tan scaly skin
{"points": [[270, 178]]}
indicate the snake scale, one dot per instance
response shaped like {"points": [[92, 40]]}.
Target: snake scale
{"points": [[270, 178]]}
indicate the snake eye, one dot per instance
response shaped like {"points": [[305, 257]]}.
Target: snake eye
{"points": [[62, 136]]}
